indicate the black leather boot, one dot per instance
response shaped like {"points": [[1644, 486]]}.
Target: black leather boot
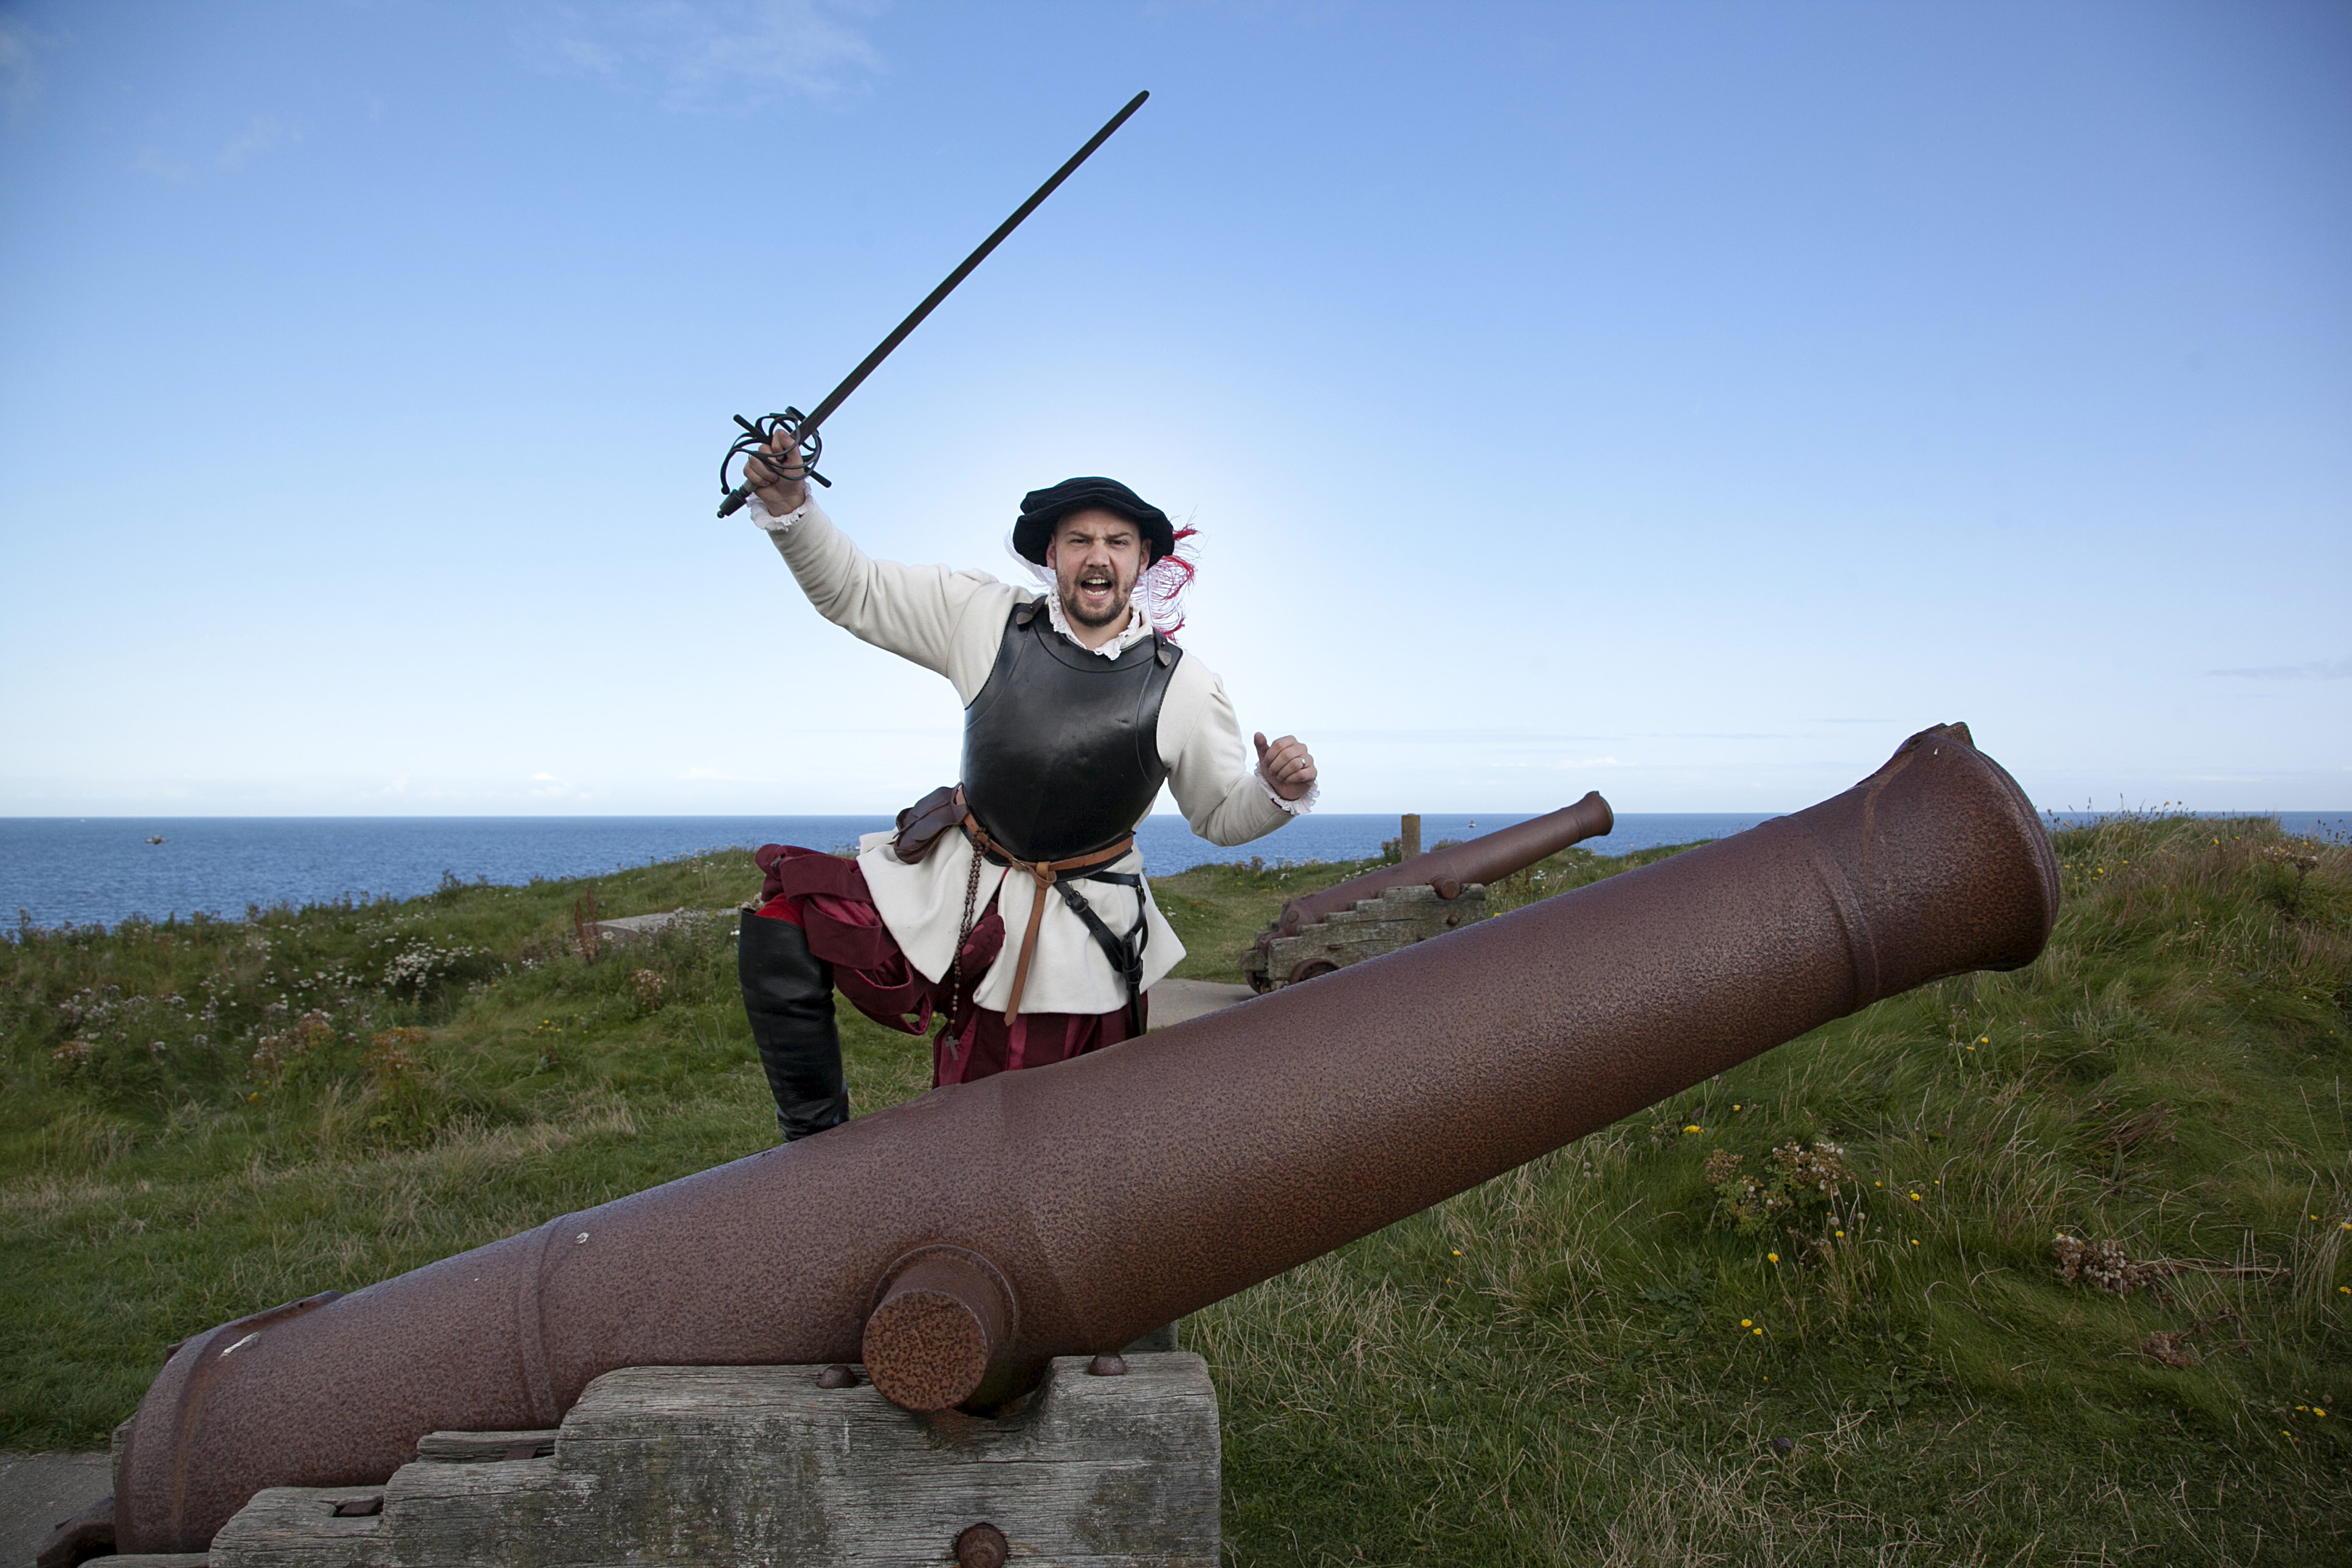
{"points": [[788, 993]]}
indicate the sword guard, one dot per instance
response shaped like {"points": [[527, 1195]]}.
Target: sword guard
{"points": [[758, 435]]}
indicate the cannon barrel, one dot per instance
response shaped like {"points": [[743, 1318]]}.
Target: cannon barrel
{"points": [[956, 1242], [1449, 870]]}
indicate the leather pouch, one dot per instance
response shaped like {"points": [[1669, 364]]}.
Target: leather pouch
{"points": [[920, 824]]}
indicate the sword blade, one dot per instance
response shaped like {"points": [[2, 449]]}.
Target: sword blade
{"points": [[840, 395]]}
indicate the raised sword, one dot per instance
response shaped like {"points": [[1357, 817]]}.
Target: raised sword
{"points": [[757, 434]]}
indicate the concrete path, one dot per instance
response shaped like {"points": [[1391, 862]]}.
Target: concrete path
{"points": [[644, 928], [40, 1491], [1175, 1001]]}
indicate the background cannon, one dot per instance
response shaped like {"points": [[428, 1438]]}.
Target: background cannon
{"points": [[958, 1243], [1420, 897]]}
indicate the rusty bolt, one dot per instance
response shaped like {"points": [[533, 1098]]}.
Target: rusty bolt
{"points": [[1106, 1366], [836, 1376], [982, 1545]]}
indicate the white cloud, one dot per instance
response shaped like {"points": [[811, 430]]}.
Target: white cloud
{"points": [[2317, 669], [694, 54], [154, 162], [717, 776], [263, 135], [20, 80]]}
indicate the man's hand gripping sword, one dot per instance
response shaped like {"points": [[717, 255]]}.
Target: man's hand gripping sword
{"points": [[768, 439]]}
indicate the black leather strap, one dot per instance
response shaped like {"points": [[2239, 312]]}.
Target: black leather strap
{"points": [[1126, 953]]}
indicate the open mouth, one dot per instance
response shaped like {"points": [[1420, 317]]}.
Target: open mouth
{"points": [[1095, 595]]}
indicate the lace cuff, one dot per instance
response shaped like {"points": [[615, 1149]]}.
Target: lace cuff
{"points": [[762, 518], [1299, 808]]}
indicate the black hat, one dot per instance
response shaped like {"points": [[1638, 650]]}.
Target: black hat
{"points": [[1041, 510]]}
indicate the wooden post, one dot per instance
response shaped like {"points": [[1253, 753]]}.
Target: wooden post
{"points": [[1411, 834]]}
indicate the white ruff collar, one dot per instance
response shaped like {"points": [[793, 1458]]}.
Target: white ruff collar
{"points": [[1139, 626]]}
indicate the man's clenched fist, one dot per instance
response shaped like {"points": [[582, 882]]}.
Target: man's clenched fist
{"points": [[778, 474], [1286, 766]]}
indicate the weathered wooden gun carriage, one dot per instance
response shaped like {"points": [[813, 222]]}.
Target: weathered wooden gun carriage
{"points": [[968, 1252], [1422, 896]]}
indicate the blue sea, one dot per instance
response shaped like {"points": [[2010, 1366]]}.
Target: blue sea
{"points": [[102, 869]]}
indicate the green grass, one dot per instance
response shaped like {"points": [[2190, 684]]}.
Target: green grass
{"points": [[1550, 1368]]}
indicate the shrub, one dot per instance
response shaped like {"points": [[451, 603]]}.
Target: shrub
{"points": [[649, 989], [1797, 1192], [423, 969], [275, 1055]]}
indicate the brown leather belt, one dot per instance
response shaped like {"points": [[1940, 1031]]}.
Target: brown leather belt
{"points": [[1044, 873]]}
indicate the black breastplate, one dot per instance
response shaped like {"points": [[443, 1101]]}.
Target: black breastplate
{"points": [[1061, 748]]}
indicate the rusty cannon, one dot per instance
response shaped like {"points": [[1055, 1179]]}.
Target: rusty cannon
{"points": [[1396, 906], [959, 1243]]}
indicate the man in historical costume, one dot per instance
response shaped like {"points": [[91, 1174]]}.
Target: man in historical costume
{"points": [[1014, 906]]}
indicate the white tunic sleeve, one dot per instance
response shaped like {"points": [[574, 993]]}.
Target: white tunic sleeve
{"points": [[1213, 777], [947, 621]]}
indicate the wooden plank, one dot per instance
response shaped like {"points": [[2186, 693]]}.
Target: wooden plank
{"points": [[296, 1527], [481, 1448]]}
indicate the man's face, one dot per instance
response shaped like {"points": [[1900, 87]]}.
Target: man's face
{"points": [[1094, 557]]}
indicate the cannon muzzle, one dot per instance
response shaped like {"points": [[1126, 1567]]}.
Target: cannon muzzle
{"points": [[1449, 870], [957, 1242]]}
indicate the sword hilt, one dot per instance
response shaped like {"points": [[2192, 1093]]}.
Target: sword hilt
{"points": [[754, 441]]}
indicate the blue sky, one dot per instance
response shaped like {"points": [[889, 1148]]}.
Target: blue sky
{"points": [[1683, 401]]}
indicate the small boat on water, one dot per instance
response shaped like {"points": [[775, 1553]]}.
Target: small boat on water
{"points": [[154, 839]]}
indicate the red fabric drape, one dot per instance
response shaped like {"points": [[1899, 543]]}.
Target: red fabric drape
{"points": [[826, 897]]}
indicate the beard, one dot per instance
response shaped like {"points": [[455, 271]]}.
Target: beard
{"points": [[1074, 610]]}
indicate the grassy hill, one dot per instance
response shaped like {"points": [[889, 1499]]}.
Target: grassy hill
{"points": [[2055, 1272]]}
